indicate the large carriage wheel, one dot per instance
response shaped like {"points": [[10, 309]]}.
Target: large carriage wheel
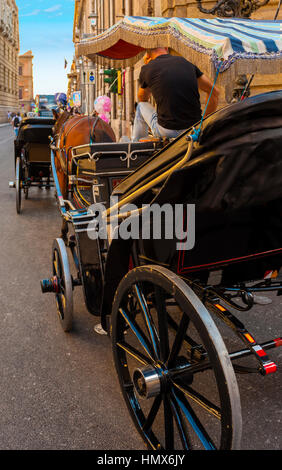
{"points": [[18, 184], [173, 367], [63, 280]]}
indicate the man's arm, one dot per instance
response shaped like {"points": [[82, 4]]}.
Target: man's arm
{"points": [[144, 94], [205, 85]]}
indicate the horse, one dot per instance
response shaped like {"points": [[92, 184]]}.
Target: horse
{"points": [[71, 130]]}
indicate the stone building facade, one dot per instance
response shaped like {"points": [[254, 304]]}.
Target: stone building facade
{"points": [[26, 81], [9, 50], [95, 16]]}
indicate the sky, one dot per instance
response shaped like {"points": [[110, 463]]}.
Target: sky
{"points": [[46, 29]]}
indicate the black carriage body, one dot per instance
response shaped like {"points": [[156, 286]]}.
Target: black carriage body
{"points": [[156, 300], [32, 145], [234, 179]]}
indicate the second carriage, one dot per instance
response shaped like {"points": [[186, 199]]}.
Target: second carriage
{"points": [[32, 157]]}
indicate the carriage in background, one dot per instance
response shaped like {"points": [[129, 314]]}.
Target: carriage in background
{"points": [[166, 308], [32, 157]]}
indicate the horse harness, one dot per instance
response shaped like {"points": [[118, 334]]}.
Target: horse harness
{"points": [[91, 134]]}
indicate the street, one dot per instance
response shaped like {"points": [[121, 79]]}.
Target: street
{"points": [[60, 390]]}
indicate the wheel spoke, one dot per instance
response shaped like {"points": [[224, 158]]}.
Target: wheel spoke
{"points": [[60, 306], [199, 399], [138, 333], [178, 340], [180, 423], [148, 320], [192, 419], [134, 353], [169, 430], [152, 414], [56, 264], [163, 325]]}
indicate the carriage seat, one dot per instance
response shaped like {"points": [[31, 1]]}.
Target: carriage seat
{"points": [[112, 149], [38, 152], [160, 162], [114, 156]]}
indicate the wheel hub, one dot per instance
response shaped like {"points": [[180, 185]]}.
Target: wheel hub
{"points": [[51, 285], [147, 381]]}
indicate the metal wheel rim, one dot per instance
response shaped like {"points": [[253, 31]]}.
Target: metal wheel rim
{"points": [[18, 185], [61, 269], [231, 424]]}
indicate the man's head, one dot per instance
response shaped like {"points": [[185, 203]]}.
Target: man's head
{"points": [[151, 54]]}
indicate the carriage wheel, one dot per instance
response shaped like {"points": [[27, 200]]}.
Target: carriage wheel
{"points": [[63, 280], [173, 367], [18, 184]]}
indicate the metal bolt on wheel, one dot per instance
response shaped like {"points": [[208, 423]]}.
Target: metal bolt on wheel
{"points": [[174, 370]]}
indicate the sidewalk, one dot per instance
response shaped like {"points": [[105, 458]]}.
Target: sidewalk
{"points": [[5, 124]]}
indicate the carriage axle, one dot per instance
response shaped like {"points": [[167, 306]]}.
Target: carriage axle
{"points": [[151, 380], [51, 285], [147, 381]]}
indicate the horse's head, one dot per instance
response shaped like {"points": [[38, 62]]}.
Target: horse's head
{"points": [[60, 119]]}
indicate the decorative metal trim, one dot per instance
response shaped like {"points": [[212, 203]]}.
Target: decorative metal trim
{"points": [[233, 8]]}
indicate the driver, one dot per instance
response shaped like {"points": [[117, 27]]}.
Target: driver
{"points": [[174, 83]]}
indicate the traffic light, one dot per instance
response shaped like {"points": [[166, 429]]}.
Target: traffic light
{"points": [[111, 77]]}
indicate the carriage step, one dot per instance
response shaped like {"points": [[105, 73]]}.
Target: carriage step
{"points": [[12, 184]]}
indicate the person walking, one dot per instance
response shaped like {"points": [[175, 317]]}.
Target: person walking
{"points": [[174, 83], [16, 123]]}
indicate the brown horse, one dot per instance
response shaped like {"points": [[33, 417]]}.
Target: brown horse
{"points": [[71, 130]]}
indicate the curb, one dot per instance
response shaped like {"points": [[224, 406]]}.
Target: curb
{"points": [[5, 124]]}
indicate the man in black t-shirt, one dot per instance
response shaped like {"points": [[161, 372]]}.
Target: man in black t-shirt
{"points": [[174, 83]]}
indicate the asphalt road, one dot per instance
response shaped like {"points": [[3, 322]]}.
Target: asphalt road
{"points": [[60, 391]]}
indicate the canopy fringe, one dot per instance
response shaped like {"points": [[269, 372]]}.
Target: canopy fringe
{"points": [[171, 36]]}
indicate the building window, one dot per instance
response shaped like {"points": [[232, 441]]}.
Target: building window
{"points": [[20, 93], [20, 70]]}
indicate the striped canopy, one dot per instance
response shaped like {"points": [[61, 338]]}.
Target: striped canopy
{"points": [[232, 46]]}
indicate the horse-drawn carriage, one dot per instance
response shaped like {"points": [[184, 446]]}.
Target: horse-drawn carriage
{"points": [[164, 304], [32, 157]]}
